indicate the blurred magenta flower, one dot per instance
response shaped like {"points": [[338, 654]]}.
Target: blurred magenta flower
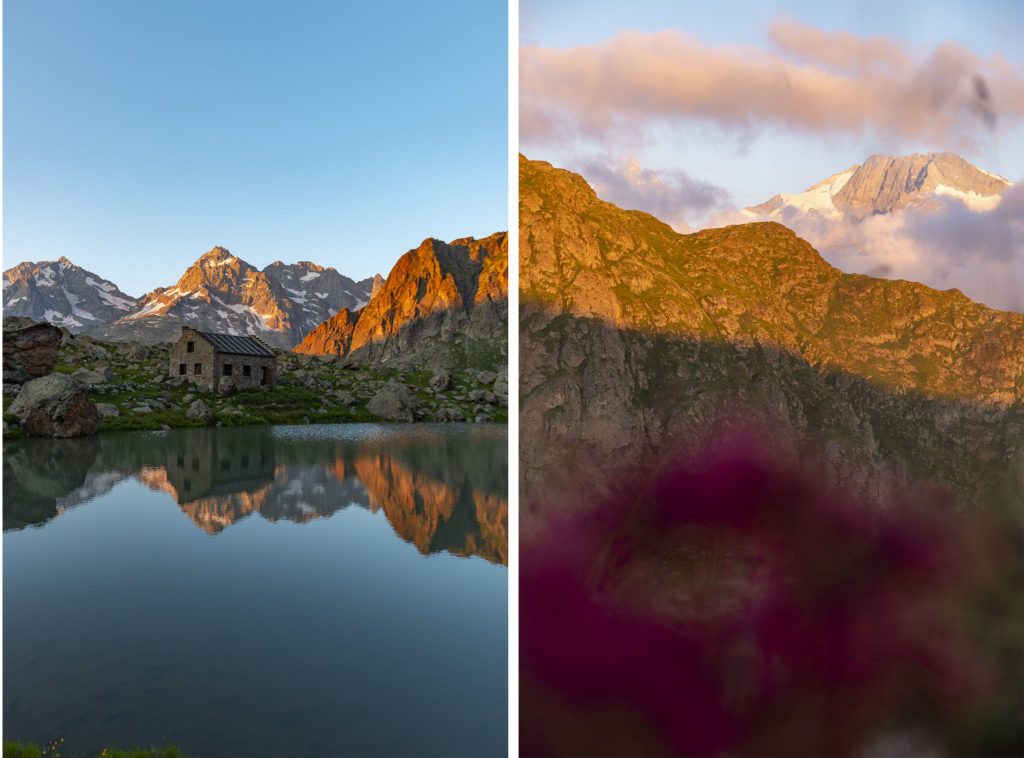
{"points": [[734, 606]]}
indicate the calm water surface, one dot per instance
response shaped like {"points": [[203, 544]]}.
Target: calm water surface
{"points": [[276, 591]]}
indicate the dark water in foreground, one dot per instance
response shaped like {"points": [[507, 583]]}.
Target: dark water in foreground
{"points": [[276, 591]]}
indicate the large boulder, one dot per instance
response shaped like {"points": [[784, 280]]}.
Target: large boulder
{"points": [[30, 349], [56, 406], [394, 402]]}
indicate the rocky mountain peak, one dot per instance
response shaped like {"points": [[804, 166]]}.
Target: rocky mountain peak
{"points": [[884, 183], [378, 283], [435, 288]]}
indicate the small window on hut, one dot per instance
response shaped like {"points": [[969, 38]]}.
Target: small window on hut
{"points": [[181, 368], [246, 370], [197, 369], [227, 369], [190, 347]]}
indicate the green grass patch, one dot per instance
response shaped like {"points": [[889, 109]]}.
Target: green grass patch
{"points": [[15, 749]]}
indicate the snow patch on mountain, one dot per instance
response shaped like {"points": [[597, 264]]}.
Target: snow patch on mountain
{"points": [[73, 301], [60, 319], [104, 286], [971, 199]]}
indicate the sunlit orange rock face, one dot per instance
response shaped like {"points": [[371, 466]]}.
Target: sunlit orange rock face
{"points": [[433, 279]]}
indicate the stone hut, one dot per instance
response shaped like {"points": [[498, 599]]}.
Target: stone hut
{"points": [[205, 357]]}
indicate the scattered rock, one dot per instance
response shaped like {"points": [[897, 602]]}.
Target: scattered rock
{"points": [[344, 397], [450, 415], [88, 376], [107, 409], [226, 385], [393, 401], [201, 411], [440, 381], [486, 377], [133, 351], [56, 406]]}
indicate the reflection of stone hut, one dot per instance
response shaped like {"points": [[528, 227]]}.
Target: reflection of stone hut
{"points": [[204, 357], [218, 462]]}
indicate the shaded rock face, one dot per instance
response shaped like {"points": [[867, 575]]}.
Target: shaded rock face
{"points": [[636, 342], [30, 349], [63, 294], [433, 291], [56, 406]]}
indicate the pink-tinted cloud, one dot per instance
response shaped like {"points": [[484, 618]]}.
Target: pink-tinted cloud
{"points": [[667, 194], [813, 81]]}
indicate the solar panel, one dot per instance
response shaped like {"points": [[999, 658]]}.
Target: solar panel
{"points": [[234, 345]]}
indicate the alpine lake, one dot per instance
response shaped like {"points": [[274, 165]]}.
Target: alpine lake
{"points": [[318, 590]]}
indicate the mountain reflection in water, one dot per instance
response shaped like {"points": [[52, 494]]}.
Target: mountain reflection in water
{"points": [[440, 488]]}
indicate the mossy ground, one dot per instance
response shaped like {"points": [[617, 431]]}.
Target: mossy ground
{"points": [[13, 749]]}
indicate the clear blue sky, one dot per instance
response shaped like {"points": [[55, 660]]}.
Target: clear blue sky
{"points": [[140, 133]]}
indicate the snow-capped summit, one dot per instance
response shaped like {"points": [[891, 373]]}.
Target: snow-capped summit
{"points": [[883, 184], [63, 294], [221, 292]]}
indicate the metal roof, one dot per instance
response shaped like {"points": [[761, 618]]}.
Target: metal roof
{"points": [[235, 345]]}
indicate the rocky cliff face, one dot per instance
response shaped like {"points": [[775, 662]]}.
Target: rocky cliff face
{"points": [[222, 293], [636, 340], [63, 294], [440, 302]]}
